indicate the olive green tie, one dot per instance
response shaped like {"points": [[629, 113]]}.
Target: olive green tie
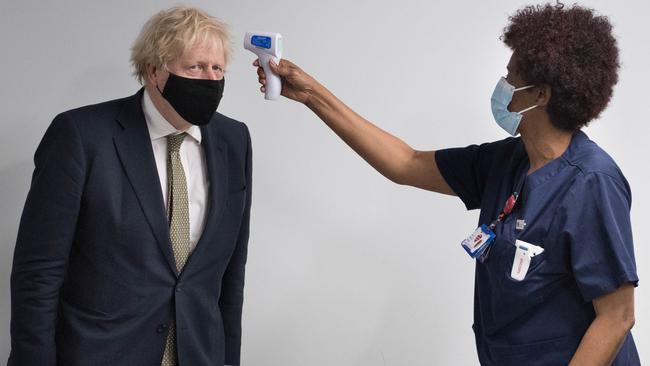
{"points": [[179, 225]]}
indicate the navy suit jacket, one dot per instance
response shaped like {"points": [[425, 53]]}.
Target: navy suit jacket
{"points": [[94, 280]]}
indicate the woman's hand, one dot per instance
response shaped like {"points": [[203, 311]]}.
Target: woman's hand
{"points": [[296, 84]]}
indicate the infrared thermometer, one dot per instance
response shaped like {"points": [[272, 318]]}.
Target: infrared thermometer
{"points": [[267, 46]]}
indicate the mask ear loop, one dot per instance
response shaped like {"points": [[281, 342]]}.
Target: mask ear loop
{"points": [[524, 87], [164, 66], [527, 109]]}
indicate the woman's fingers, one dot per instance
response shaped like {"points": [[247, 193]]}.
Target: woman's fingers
{"points": [[293, 78], [281, 69]]}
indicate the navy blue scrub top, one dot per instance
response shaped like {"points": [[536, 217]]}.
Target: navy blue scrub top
{"points": [[577, 207]]}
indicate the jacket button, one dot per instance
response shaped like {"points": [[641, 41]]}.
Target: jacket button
{"points": [[161, 328]]}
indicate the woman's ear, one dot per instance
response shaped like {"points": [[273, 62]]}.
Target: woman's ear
{"points": [[543, 95]]}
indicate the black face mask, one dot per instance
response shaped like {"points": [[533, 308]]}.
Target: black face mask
{"points": [[195, 100]]}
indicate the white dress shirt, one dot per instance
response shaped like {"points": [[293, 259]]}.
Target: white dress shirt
{"points": [[192, 158]]}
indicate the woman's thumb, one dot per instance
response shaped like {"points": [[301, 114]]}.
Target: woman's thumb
{"points": [[279, 70]]}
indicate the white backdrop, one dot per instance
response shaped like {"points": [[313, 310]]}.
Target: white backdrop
{"points": [[345, 268]]}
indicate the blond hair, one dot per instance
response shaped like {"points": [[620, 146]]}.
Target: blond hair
{"points": [[169, 33]]}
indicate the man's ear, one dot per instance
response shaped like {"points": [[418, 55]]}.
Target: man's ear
{"points": [[152, 74], [543, 95]]}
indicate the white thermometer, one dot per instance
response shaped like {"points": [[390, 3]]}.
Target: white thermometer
{"points": [[523, 255], [267, 46]]}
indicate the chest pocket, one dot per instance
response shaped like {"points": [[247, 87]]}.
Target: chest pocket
{"points": [[509, 299]]}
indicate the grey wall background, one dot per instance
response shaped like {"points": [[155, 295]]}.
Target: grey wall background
{"points": [[345, 267]]}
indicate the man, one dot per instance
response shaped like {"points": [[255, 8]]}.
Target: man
{"points": [[133, 241]]}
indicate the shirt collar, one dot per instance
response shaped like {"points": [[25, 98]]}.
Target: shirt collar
{"points": [[158, 126]]}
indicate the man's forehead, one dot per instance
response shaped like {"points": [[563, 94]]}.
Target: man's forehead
{"points": [[210, 47], [207, 41]]}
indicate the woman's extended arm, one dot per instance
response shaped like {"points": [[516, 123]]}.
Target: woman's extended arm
{"points": [[389, 155]]}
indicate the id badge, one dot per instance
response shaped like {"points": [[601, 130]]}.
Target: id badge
{"points": [[521, 262], [479, 241]]}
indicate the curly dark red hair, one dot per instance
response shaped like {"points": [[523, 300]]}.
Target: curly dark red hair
{"points": [[573, 51]]}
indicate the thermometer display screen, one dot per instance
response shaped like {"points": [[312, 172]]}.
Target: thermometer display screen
{"points": [[261, 41]]}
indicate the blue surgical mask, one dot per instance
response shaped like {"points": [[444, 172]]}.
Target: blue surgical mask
{"points": [[501, 98]]}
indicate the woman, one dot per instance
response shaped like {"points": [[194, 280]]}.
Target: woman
{"points": [[555, 270]]}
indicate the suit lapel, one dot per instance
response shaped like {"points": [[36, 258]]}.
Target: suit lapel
{"points": [[216, 158], [134, 149]]}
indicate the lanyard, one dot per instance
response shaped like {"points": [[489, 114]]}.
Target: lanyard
{"points": [[511, 202], [507, 209]]}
